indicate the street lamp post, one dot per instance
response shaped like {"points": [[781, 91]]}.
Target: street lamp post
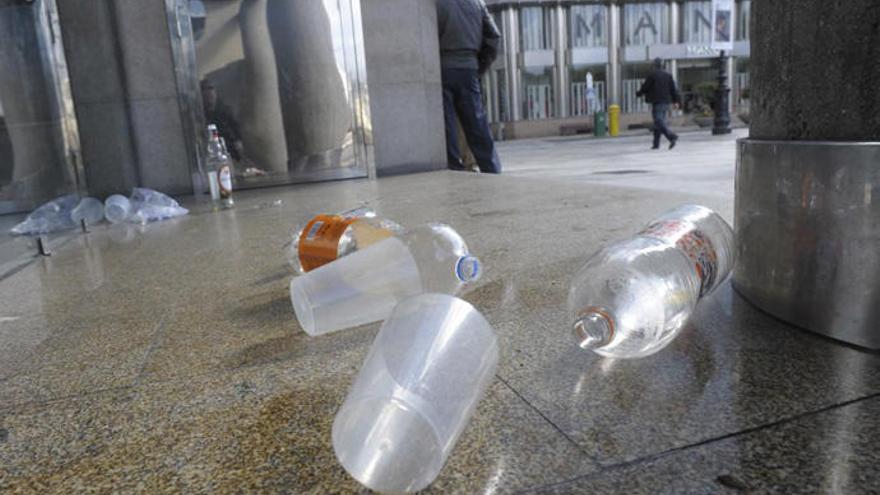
{"points": [[722, 93]]}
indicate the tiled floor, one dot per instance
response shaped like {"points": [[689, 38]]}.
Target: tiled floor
{"points": [[167, 359]]}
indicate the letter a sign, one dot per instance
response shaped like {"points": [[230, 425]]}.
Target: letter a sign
{"points": [[722, 25]]}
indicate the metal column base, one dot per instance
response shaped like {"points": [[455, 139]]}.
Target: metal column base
{"points": [[808, 235]]}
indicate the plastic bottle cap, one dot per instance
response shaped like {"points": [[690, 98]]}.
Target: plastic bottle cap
{"points": [[468, 268]]}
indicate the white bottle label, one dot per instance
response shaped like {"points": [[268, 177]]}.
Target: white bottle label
{"points": [[694, 243], [225, 181]]}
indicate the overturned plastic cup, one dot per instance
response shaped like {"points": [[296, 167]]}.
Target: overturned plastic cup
{"points": [[427, 370], [89, 210], [117, 208], [364, 286]]}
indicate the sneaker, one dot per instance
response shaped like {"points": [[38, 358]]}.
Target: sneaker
{"points": [[655, 147], [672, 142]]}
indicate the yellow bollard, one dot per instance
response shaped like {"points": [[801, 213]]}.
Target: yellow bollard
{"points": [[614, 120]]}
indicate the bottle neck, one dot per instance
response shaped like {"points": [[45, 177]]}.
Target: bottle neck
{"points": [[593, 328]]}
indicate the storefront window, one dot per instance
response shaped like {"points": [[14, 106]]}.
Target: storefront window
{"points": [[696, 22], [536, 26], [582, 102], [646, 23], [633, 76], [587, 24], [537, 92], [744, 9], [740, 85]]}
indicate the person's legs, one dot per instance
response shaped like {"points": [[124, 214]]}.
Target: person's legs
{"points": [[473, 119], [657, 110], [453, 155], [659, 114]]}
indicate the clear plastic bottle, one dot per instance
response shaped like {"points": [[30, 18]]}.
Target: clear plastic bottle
{"points": [[89, 210], [329, 237], [365, 286], [632, 298], [219, 168]]}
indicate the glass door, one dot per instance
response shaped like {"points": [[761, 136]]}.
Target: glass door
{"points": [[284, 81], [39, 146]]}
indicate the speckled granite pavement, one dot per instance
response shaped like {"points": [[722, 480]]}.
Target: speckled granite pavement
{"points": [[167, 360]]}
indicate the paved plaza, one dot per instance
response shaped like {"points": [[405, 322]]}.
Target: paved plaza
{"points": [[700, 163]]}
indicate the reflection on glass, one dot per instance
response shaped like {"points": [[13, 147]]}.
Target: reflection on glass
{"points": [[582, 103], [33, 161], [536, 26], [646, 23], [696, 22], [744, 9], [588, 26], [280, 81], [633, 76], [537, 92]]}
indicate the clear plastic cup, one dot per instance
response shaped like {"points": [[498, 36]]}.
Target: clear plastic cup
{"points": [[364, 286], [89, 209], [117, 208], [429, 366]]}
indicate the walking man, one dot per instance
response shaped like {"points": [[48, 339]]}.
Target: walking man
{"points": [[468, 46], [659, 90]]}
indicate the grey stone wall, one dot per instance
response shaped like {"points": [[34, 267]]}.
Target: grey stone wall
{"points": [[815, 70], [403, 72]]}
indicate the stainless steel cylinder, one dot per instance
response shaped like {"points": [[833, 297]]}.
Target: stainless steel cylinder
{"points": [[808, 234]]}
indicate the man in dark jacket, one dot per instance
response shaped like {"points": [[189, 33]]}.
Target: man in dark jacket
{"points": [[659, 90], [468, 46]]}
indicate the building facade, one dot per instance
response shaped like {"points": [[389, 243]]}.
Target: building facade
{"points": [[539, 82]]}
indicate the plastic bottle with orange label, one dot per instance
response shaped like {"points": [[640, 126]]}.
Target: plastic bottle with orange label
{"points": [[326, 238], [633, 298]]}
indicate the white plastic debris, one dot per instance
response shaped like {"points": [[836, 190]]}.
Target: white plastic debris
{"points": [[53, 216]]}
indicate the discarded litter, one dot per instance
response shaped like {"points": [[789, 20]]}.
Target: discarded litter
{"points": [[325, 238], [151, 206], [427, 370], [364, 286], [89, 210], [632, 298], [117, 208], [53, 216]]}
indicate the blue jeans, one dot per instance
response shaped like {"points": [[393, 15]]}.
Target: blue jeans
{"points": [[462, 97], [658, 112]]}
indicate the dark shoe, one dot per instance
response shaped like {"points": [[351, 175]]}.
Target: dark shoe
{"points": [[672, 142], [655, 147]]}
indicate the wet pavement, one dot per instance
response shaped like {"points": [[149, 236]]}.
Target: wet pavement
{"points": [[166, 359]]}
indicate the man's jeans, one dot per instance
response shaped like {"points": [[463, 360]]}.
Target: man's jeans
{"points": [[658, 112], [461, 96]]}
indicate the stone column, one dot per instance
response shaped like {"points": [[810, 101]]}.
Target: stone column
{"points": [[262, 127], [808, 179], [314, 103], [614, 44], [511, 45], [561, 68]]}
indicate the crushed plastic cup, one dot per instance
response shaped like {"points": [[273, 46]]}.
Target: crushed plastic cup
{"points": [[117, 208], [89, 209], [364, 286], [427, 370]]}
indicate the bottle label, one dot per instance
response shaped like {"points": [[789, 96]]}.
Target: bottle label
{"points": [[694, 243], [224, 180], [319, 241]]}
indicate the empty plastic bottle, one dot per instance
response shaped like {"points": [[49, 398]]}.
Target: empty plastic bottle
{"points": [[632, 298], [117, 208], [89, 209], [326, 238], [365, 286]]}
